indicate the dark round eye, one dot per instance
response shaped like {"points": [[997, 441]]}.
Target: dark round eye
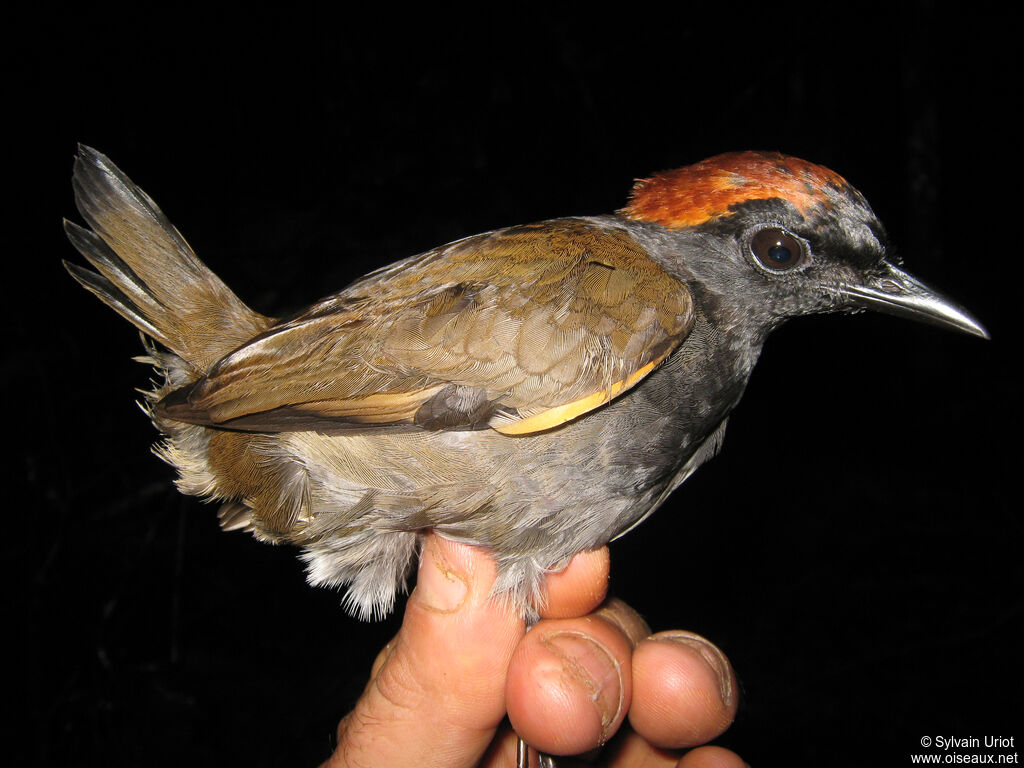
{"points": [[777, 250]]}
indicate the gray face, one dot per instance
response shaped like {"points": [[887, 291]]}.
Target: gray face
{"points": [[768, 261]]}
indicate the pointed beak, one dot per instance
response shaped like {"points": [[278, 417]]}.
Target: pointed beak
{"points": [[903, 295]]}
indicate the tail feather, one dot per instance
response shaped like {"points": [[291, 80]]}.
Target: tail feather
{"points": [[114, 284], [146, 271]]}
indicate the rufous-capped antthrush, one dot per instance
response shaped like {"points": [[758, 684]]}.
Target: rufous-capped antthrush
{"points": [[537, 390]]}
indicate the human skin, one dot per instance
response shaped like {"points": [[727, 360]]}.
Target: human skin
{"points": [[589, 673]]}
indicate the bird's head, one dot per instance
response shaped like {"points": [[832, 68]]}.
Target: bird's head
{"points": [[768, 236]]}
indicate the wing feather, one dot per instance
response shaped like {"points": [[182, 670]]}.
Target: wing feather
{"points": [[520, 329]]}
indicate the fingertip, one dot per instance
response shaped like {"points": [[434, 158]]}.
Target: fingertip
{"points": [[580, 587], [452, 574], [684, 690], [569, 685], [439, 686], [711, 757], [452, 629]]}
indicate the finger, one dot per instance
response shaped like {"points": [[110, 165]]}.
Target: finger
{"points": [[580, 588], [712, 757], [683, 690], [569, 684], [630, 750], [413, 712], [624, 617]]}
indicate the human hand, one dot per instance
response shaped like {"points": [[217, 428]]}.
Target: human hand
{"points": [[439, 691]]}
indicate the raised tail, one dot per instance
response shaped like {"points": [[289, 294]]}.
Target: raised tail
{"points": [[147, 273]]}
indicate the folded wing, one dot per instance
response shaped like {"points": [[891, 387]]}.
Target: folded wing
{"points": [[519, 330]]}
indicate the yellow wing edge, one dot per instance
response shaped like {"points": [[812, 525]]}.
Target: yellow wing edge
{"points": [[560, 414]]}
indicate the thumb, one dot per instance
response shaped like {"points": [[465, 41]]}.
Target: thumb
{"points": [[437, 694]]}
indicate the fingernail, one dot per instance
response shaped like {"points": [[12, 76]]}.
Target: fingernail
{"points": [[594, 667], [712, 657], [440, 584]]}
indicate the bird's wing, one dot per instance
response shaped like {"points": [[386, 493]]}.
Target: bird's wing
{"points": [[520, 330]]}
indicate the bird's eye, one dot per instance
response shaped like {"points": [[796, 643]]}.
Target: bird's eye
{"points": [[776, 250]]}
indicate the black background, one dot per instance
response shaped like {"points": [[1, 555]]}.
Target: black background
{"points": [[854, 549]]}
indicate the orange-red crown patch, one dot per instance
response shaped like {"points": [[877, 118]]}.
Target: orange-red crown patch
{"points": [[704, 191]]}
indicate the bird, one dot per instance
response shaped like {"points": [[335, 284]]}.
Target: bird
{"points": [[538, 390]]}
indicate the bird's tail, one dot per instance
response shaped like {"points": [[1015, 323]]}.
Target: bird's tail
{"points": [[147, 273]]}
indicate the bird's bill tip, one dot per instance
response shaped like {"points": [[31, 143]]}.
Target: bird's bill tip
{"points": [[898, 293]]}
